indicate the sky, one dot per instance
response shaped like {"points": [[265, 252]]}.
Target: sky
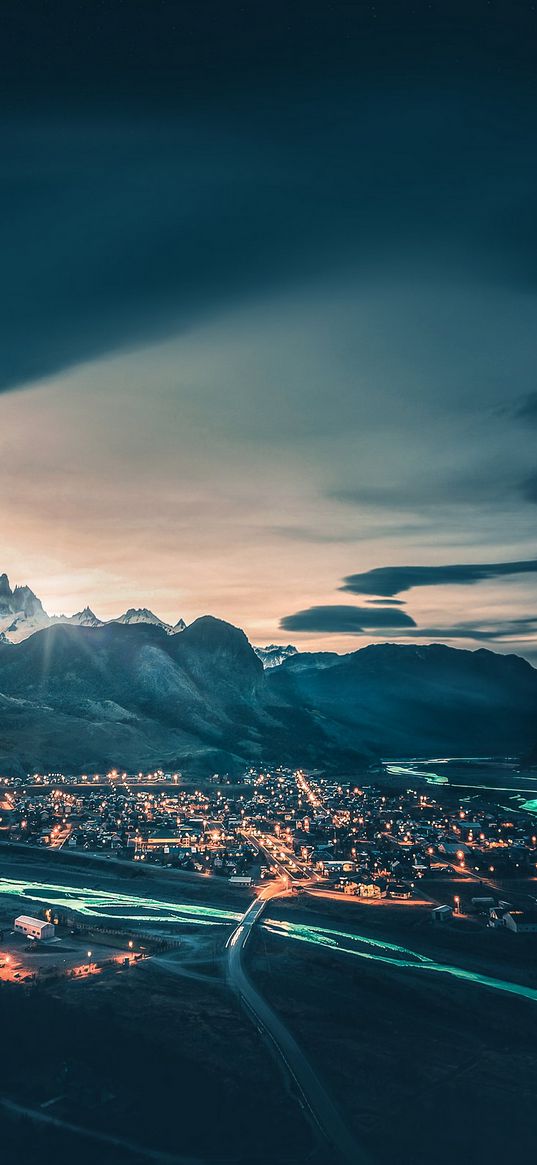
{"points": [[268, 341]]}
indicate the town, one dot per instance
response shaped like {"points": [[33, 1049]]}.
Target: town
{"points": [[225, 911], [466, 856]]}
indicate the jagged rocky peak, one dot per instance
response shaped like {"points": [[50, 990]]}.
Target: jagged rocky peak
{"points": [[19, 599], [86, 618], [138, 615], [6, 596], [25, 600], [144, 615], [22, 613], [274, 654]]}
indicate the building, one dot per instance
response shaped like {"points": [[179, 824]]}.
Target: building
{"points": [[335, 867], [470, 829], [9, 819], [35, 928], [399, 890], [369, 890], [442, 913], [453, 849], [170, 840], [521, 921], [483, 905]]}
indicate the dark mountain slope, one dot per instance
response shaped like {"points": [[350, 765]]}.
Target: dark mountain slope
{"points": [[79, 698], [412, 700], [85, 698]]}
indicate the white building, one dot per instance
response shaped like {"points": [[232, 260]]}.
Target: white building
{"points": [[35, 928], [332, 866]]}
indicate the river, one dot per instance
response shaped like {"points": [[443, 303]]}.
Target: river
{"points": [[471, 775], [111, 905]]}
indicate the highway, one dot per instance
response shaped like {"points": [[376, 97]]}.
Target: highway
{"points": [[317, 1105]]}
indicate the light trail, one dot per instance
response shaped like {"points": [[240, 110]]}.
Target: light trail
{"points": [[408, 959]]}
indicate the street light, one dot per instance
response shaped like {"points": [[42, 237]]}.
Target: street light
{"points": [[457, 902]]}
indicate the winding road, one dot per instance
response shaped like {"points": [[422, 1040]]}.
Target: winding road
{"points": [[317, 1105]]}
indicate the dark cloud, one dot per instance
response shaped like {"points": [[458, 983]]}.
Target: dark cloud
{"points": [[529, 488], [179, 46], [345, 620], [160, 160], [367, 531], [392, 580], [314, 535], [524, 628], [166, 163], [526, 409], [425, 487]]}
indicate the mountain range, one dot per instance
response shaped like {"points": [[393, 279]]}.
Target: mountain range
{"points": [[83, 698], [22, 613], [273, 655]]}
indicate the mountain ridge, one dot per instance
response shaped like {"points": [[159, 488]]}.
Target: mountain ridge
{"points": [[22, 614], [84, 698]]}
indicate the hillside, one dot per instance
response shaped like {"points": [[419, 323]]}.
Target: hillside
{"points": [[416, 700], [80, 698]]}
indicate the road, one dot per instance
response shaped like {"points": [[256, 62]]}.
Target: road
{"points": [[288, 866], [37, 1116], [318, 1106], [262, 848]]}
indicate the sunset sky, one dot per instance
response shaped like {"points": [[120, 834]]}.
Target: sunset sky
{"points": [[268, 318]]}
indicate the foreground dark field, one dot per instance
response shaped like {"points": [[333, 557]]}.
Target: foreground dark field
{"points": [[167, 1063], [464, 942], [424, 1068], [159, 1062]]}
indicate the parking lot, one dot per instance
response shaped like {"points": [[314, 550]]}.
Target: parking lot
{"points": [[66, 954]]}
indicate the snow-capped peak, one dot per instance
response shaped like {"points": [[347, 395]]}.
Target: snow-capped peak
{"points": [[143, 615], [85, 618], [273, 655], [22, 613]]}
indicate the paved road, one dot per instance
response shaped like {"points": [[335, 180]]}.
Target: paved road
{"points": [[317, 1104], [271, 858], [297, 869]]}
